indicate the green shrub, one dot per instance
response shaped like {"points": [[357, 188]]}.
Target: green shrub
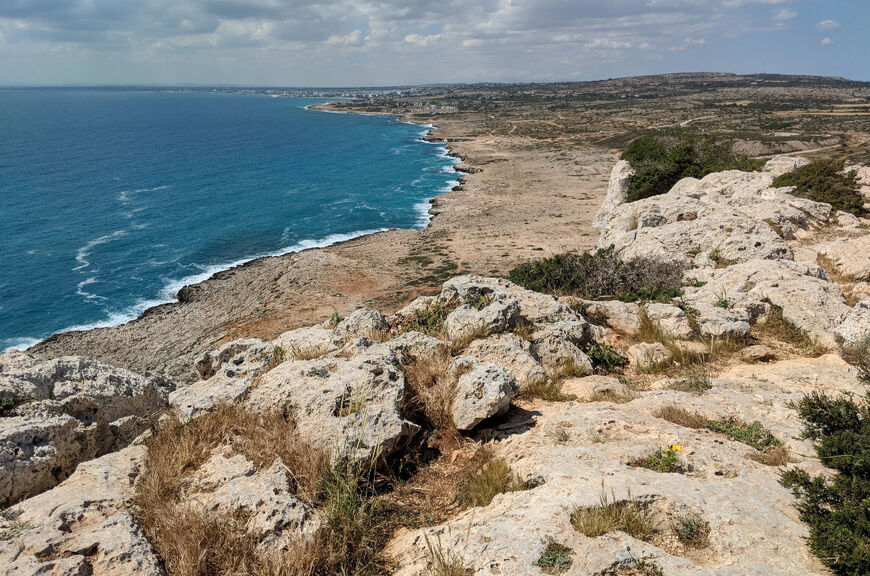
{"points": [[754, 434], [601, 275], [824, 181], [659, 162], [836, 509], [605, 360]]}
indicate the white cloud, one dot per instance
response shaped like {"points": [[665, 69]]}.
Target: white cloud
{"points": [[354, 38], [826, 25], [784, 15], [827, 41], [420, 40]]}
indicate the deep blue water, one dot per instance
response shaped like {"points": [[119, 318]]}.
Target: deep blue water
{"points": [[112, 200]]}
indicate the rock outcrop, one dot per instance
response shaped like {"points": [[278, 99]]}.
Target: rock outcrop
{"points": [[68, 410]]}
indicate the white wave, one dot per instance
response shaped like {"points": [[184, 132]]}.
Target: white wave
{"points": [[85, 294], [85, 251], [19, 344]]}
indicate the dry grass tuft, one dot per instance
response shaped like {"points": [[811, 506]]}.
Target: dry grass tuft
{"points": [[457, 345], [776, 456], [444, 563], [777, 327], [486, 477], [681, 417], [614, 396], [195, 542], [307, 353], [630, 516], [430, 390], [858, 355]]}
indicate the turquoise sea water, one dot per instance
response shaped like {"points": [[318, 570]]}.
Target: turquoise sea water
{"points": [[111, 200]]}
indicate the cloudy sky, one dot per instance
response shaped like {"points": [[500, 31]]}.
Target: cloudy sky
{"points": [[388, 42]]}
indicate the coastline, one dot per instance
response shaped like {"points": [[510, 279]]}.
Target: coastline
{"points": [[171, 292], [516, 201]]}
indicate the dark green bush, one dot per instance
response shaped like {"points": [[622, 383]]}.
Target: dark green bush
{"points": [[601, 274], [836, 510], [659, 162], [605, 360], [824, 181]]}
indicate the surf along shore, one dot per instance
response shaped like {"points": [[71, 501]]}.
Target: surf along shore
{"points": [[521, 197]]}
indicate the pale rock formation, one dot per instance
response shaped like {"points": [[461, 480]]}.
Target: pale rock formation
{"points": [[779, 165], [807, 297], [644, 355], [82, 526], [757, 353], [413, 346], [856, 324], [752, 517], [511, 352], [672, 320], [226, 376], [560, 343], [231, 484], [340, 405], [362, 322], [483, 390], [624, 317], [850, 256], [74, 409], [588, 387], [616, 190]]}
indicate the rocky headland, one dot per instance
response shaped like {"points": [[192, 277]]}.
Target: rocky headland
{"points": [[498, 429]]}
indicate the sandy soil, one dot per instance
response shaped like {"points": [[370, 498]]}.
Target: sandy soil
{"points": [[523, 198]]}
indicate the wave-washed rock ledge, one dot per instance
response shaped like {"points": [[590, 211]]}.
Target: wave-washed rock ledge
{"points": [[73, 440]]}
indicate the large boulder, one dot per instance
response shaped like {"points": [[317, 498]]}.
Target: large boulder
{"points": [[82, 526], [340, 405], [779, 165], [561, 344], [362, 322], [71, 409], [483, 390], [510, 352]]}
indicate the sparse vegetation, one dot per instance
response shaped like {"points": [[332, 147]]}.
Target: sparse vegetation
{"points": [[681, 417], [630, 516], [696, 381], [615, 396], [836, 508], [601, 275], [8, 404], [605, 359], [660, 161], [693, 531], [824, 181], [753, 434], [444, 563], [776, 456], [777, 327], [662, 460], [486, 477], [641, 567], [430, 320], [555, 559], [550, 390]]}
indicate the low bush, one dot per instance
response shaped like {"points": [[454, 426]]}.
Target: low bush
{"points": [[692, 531], [825, 181], [660, 161], [601, 275], [836, 508]]}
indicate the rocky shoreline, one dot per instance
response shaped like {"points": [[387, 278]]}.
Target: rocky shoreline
{"points": [[515, 374]]}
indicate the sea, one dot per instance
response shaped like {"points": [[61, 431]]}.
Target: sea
{"points": [[111, 200]]}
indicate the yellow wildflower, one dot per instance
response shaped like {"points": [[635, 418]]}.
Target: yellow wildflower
{"points": [[675, 448]]}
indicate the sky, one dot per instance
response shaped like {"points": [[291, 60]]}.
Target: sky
{"points": [[401, 42]]}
